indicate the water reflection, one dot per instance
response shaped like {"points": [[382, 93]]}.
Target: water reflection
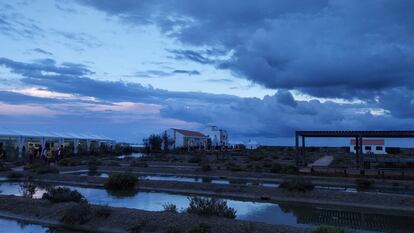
{"points": [[13, 226], [286, 214]]}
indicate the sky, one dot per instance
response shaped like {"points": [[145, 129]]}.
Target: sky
{"points": [[259, 69]]}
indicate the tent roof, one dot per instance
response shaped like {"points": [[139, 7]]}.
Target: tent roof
{"points": [[48, 134]]}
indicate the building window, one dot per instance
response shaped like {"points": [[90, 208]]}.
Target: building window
{"points": [[355, 148], [378, 148], [367, 147]]}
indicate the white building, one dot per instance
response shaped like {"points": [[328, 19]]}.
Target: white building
{"points": [[218, 137], [369, 146], [180, 138], [252, 145]]}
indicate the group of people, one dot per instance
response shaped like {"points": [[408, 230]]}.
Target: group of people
{"points": [[47, 154]]}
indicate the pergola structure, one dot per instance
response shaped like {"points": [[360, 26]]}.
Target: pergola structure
{"points": [[358, 135]]}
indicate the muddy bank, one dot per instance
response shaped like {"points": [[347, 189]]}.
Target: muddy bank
{"points": [[124, 219], [236, 191]]}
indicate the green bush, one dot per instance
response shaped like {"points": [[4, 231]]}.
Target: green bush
{"points": [[123, 181], [200, 228], [363, 184], [328, 230], [297, 184], [63, 194], [77, 214], [205, 206], [169, 207], [14, 175]]}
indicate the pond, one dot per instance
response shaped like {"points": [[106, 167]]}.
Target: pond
{"points": [[14, 226], [287, 214]]}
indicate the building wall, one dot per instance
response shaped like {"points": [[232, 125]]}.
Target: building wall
{"points": [[218, 136], [373, 150]]}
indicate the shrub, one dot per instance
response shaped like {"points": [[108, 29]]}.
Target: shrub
{"points": [[77, 214], [114, 163], [195, 159], [169, 207], [137, 163], [103, 211], [173, 228], [200, 228], [137, 227], [3, 168], [363, 184], [297, 184], [205, 206], [41, 168], [66, 162], [328, 230], [278, 168], [27, 189], [14, 175], [63, 194], [206, 168], [123, 181], [93, 161]]}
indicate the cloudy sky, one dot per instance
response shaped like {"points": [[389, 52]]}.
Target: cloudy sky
{"points": [[260, 69]]}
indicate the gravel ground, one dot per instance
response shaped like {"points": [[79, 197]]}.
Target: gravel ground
{"points": [[122, 219]]}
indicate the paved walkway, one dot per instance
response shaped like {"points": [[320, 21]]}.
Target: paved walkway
{"points": [[325, 161]]}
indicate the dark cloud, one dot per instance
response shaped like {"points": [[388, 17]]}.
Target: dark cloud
{"points": [[273, 116], [326, 48]]}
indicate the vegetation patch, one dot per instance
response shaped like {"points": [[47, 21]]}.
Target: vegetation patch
{"points": [[205, 206], [328, 230], [67, 162], [103, 211], [77, 214], [40, 168], [200, 228], [206, 168], [138, 163], [3, 168], [195, 159], [63, 194], [278, 168], [297, 184], [173, 228], [123, 181], [14, 175], [27, 189], [363, 184], [169, 207]]}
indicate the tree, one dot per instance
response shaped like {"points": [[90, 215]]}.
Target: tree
{"points": [[153, 143], [165, 143]]}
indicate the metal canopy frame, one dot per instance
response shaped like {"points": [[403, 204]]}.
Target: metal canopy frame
{"points": [[358, 135]]}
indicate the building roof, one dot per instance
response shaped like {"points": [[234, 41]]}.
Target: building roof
{"points": [[369, 142], [190, 133], [5, 132]]}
